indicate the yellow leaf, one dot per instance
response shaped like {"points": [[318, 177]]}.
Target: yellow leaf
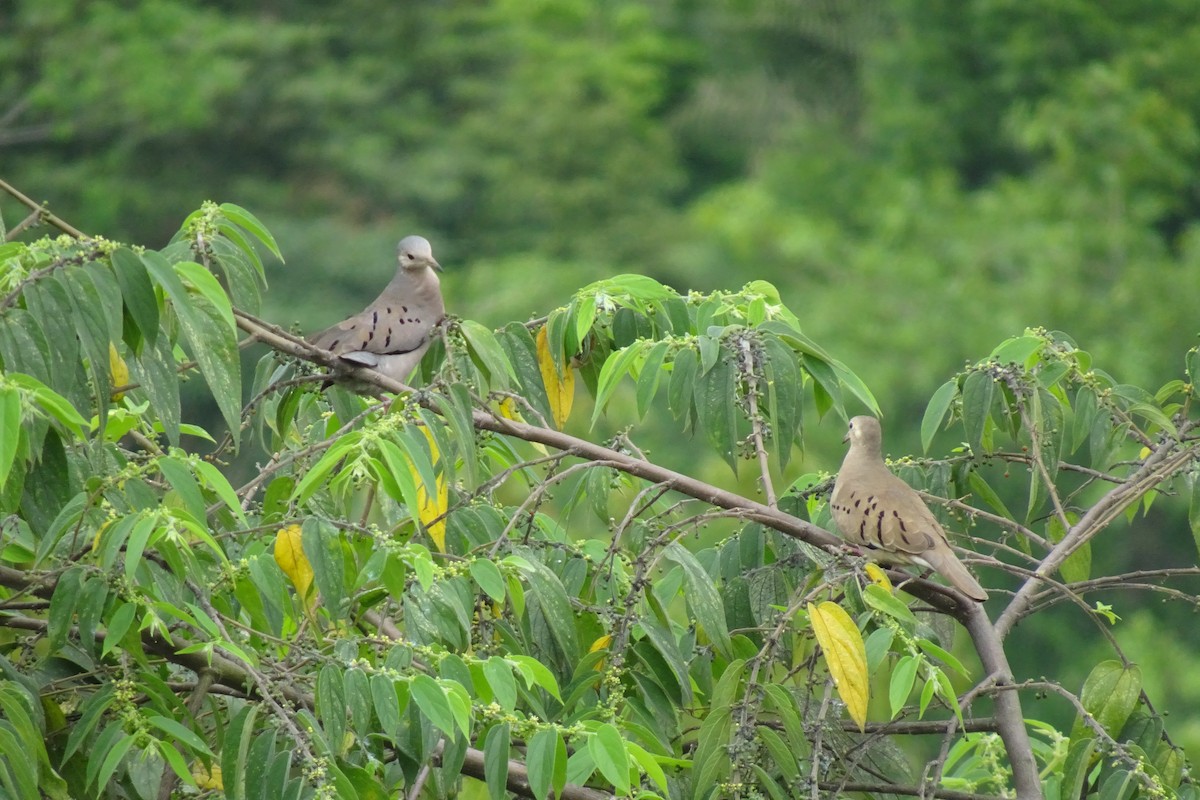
{"points": [[877, 575], [118, 368], [508, 409], [845, 655], [601, 643], [432, 508], [206, 778], [560, 387], [99, 533], [289, 555]]}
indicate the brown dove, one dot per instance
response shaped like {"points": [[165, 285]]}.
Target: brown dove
{"points": [[875, 509], [392, 334]]}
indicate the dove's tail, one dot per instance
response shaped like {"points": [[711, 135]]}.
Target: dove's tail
{"points": [[947, 564]]}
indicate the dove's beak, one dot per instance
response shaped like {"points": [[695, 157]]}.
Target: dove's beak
{"points": [[433, 263], [846, 438]]}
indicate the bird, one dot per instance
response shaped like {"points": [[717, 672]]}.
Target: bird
{"points": [[395, 330], [875, 509]]}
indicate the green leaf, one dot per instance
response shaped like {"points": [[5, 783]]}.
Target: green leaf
{"points": [[386, 704], [649, 374], [137, 293], [931, 649], [976, 405], [500, 678], [139, 538], [331, 706], [884, 601], [784, 401], [487, 353], [323, 546], [521, 349], [1121, 784], [62, 609], [607, 749], [244, 219], [783, 756], [92, 326], [112, 760], [1109, 694], [431, 699], [935, 412], [487, 575], [1077, 766], [179, 474], [118, 626], [716, 408], [220, 486], [213, 342], [702, 598], [536, 673], [616, 367], [236, 768], [546, 587], [154, 369], [90, 714], [357, 689], [316, 474], [495, 760], [904, 676], [243, 275], [49, 303], [209, 287], [1017, 350], [16, 759], [987, 494], [1085, 416], [540, 755], [10, 430], [711, 762], [183, 734], [681, 390]]}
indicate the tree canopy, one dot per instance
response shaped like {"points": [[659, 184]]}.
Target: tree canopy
{"points": [[440, 586]]}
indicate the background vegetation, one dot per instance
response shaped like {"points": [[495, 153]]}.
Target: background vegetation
{"points": [[919, 180]]}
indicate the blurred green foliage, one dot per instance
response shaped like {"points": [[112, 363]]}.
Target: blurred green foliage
{"points": [[936, 175]]}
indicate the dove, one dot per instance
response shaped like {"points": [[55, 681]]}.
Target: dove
{"points": [[392, 334], [875, 509]]}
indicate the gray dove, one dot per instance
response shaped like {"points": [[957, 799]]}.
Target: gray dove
{"points": [[392, 334], [875, 509]]}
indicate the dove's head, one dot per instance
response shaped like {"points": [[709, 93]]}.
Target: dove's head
{"points": [[864, 432], [414, 252]]}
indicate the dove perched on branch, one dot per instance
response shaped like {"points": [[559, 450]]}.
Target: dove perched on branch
{"points": [[392, 334], [876, 510]]}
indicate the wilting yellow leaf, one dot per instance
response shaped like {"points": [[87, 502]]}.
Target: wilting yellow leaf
{"points": [[601, 643], [433, 508], [118, 368], [560, 387], [877, 575], [508, 409], [845, 655], [289, 555], [206, 778]]}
